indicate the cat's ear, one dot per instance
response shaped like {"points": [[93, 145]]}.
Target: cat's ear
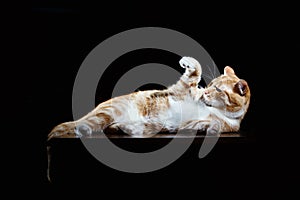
{"points": [[228, 71], [241, 87]]}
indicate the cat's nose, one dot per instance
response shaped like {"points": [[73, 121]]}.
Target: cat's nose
{"points": [[206, 92]]}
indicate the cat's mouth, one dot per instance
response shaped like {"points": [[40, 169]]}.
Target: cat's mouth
{"points": [[205, 101], [207, 104]]}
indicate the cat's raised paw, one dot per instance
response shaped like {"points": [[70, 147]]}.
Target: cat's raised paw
{"points": [[189, 62]]}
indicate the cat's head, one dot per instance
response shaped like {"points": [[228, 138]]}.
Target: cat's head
{"points": [[228, 93]]}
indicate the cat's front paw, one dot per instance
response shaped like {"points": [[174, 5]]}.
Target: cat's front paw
{"points": [[190, 63], [214, 129]]}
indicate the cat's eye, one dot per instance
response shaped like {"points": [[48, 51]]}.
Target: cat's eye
{"points": [[218, 89]]}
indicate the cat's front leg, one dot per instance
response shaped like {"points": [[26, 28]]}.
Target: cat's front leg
{"points": [[139, 128], [199, 125], [132, 128], [214, 128], [193, 71]]}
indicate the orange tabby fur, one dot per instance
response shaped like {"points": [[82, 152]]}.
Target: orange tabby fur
{"points": [[219, 107]]}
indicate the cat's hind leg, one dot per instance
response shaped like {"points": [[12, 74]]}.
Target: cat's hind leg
{"points": [[71, 129], [64, 129], [92, 122]]}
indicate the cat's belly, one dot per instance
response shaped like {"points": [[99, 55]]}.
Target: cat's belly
{"points": [[182, 111]]}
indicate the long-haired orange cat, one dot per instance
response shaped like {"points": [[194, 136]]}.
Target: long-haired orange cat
{"points": [[219, 107]]}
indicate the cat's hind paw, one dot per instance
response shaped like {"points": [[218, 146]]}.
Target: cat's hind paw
{"points": [[63, 130]]}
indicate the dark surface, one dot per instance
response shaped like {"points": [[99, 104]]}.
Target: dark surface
{"points": [[66, 155], [47, 47], [151, 143]]}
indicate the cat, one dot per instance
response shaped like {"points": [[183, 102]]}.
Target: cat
{"points": [[219, 107]]}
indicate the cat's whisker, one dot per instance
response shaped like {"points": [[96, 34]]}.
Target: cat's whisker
{"points": [[215, 73], [210, 71], [207, 76]]}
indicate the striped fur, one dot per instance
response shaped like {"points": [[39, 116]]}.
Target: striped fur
{"points": [[219, 107]]}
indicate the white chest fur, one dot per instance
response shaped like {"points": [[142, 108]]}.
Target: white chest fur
{"points": [[182, 111], [187, 110]]}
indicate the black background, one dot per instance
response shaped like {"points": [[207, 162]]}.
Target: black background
{"points": [[48, 46]]}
